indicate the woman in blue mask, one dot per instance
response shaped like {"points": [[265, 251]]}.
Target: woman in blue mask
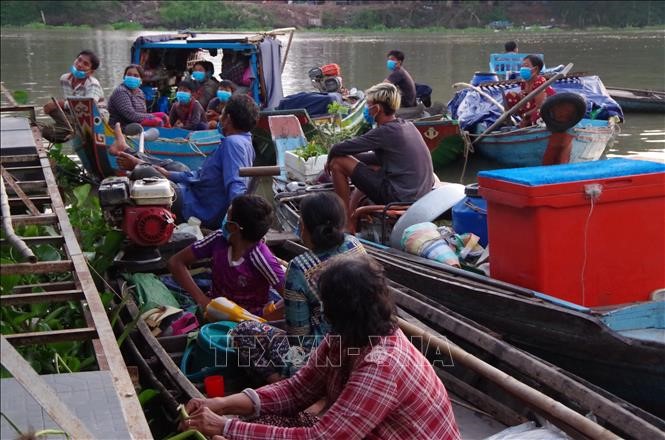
{"points": [[186, 112], [127, 102], [531, 80], [205, 86], [216, 105]]}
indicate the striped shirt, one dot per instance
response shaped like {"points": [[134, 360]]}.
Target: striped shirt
{"points": [[388, 391], [245, 281], [126, 106], [90, 88], [302, 305]]}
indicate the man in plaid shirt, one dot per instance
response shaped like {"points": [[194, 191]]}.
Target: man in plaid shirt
{"points": [[377, 385]]}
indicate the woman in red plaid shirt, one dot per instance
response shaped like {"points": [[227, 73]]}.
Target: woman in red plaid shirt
{"points": [[377, 385]]}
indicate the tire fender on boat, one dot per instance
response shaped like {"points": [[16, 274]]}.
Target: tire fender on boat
{"points": [[563, 111]]}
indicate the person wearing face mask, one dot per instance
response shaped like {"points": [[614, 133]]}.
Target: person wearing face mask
{"points": [[205, 86], [321, 229], [401, 78], [216, 105], [187, 112], [531, 80], [390, 163], [207, 192], [243, 268], [127, 102], [80, 82]]}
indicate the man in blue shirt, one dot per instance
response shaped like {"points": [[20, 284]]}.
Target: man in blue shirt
{"points": [[206, 193]]}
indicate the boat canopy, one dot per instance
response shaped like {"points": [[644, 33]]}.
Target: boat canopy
{"points": [[167, 57]]}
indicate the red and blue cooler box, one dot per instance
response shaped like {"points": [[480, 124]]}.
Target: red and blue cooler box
{"points": [[592, 233]]}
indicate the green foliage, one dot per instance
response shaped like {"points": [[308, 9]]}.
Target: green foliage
{"points": [[328, 134], [206, 14], [21, 97], [312, 149]]}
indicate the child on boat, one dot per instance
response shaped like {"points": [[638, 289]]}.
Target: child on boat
{"points": [[186, 112], [216, 106], [243, 268]]}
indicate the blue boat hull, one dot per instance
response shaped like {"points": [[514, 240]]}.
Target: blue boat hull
{"points": [[525, 147]]}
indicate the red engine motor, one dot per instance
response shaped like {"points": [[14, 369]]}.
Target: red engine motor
{"points": [[141, 209], [148, 225]]}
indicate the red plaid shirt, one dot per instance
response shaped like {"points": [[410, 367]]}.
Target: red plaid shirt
{"points": [[387, 392]]}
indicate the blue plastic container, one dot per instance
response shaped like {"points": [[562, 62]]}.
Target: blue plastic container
{"points": [[212, 354], [482, 77], [470, 215]]}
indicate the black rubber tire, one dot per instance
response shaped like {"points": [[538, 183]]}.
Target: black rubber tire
{"points": [[551, 103]]}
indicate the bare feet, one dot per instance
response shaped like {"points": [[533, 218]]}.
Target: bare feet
{"points": [[126, 161], [119, 144]]}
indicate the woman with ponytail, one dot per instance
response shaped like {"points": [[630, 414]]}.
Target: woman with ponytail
{"points": [[321, 230]]}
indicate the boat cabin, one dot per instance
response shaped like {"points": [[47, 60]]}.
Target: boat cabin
{"points": [[251, 60]]}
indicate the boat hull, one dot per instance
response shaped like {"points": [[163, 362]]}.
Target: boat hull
{"points": [[525, 147], [443, 139], [639, 101]]}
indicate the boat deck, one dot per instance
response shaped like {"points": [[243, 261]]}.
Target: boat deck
{"points": [[102, 402]]}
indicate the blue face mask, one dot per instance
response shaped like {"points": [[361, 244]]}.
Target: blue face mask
{"points": [[198, 76], [131, 82], [183, 97], [225, 232], [368, 116], [298, 231], [391, 64], [223, 95], [79, 74], [525, 73]]}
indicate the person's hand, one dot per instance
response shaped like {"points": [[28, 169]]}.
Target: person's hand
{"points": [[178, 124], [205, 421]]}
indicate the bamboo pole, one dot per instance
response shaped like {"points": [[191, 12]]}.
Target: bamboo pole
{"points": [[11, 236], [522, 391]]}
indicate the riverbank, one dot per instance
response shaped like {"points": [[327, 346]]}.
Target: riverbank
{"points": [[528, 30]]}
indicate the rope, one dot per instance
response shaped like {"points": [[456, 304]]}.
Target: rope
{"points": [[468, 148], [195, 149]]}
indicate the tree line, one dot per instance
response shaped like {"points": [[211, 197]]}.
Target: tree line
{"points": [[348, 14]]}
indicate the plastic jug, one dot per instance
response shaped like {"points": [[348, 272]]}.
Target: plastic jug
{"points": [[223, 309]]}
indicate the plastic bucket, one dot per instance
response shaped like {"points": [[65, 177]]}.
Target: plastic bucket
{"points": [[482, 77], [470, 215]]}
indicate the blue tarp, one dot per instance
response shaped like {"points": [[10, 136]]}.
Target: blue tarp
{"points": [[315, 103], [471, 109]]}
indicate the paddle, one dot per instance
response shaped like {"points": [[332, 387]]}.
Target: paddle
{"points": [[524, 100]]}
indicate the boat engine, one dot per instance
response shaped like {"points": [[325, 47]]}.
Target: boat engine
{"points": [[140, 208], [327, 79]]}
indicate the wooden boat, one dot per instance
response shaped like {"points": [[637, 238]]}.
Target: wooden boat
{"points": [[578, 339], [525, 147], [639, 100], [488, 395]]}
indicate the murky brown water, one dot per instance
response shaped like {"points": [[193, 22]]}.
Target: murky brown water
{"points": [[34, 60]]}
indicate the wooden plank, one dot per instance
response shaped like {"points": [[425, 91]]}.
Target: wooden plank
{"points": [[32, 187], [42, 392], [44, 239], [41, 297], [132, 411], [35, 201], [35, 338], [33, 168], [39, 267], [48, 287], [19, 191], [19, 158], [42, 219]]}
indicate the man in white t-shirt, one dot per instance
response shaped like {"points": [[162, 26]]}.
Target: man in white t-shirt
{"points": [[78, 82]]}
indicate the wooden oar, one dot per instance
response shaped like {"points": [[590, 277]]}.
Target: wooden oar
{"points": [[524, 100]]}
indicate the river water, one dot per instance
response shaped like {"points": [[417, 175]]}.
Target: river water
{"points": [[33, 60]]}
